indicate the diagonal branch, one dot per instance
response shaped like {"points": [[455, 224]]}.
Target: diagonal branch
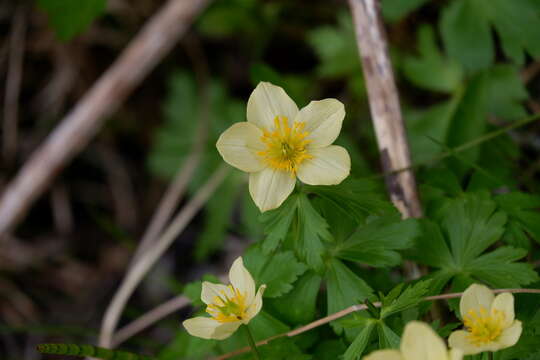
{"points": [[153, 42]]}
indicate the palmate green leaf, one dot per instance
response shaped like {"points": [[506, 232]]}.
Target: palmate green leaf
{"points": [[506, 92], [344, 288], [377, 242], [523, 217], [282, 349], [277, 223], [466, 29], [184, 345], [467, 227], [358, 346], [329, 350], [388, 339], [430, 69], [68, 17], [278, 271], [298, 306]]}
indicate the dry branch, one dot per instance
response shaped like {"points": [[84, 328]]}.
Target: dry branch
{"points": [[79, 126], [384, 105]]}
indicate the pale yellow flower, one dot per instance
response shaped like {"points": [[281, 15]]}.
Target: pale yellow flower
{"points": [[280, 143], [228, 305], [419, 342], [489, 321]]}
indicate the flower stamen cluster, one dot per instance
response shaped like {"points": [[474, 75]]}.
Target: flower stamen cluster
{"points": [[228, 306], [483, 327]]}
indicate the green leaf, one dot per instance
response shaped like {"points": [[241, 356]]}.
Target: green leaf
{"points": [[277, 223], [312, 230], [358, 346], [282, 349], [388, 339], [278, 271], [395, 10], [344, 288], [431, 247], [523, 217], [69, 18], [376, 243], [506, 92], [431, 70], [185, 345], [359, 198], [193, 289], [298, 306], [466, 34], [409, 298], [329, 350]]}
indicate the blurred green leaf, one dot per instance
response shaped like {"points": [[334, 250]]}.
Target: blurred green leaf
{"points": [[388, 339], [403, 300], [523, 217], [506, 92], [430, 69], [69, 18], [186, 346], [395, 10]]}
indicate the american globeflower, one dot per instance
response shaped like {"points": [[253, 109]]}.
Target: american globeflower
{"points": [[419, 342], [229, 306], [280, 143], [489, 320]]}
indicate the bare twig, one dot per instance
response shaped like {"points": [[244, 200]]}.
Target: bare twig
{"points": [[83, 122], [13, 82], [147, 260], [149, 318], [61, 209], [384, 105], [355, 308]]}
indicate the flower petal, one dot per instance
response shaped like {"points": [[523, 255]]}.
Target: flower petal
{"points": [[458, 340], [475, 297], [269, 188], [239, 145], [505, 303], [323, 121], [510, 336], [241, 279], [420, 342], [211, 290], [268, 101], [384, 355], [255, 306], [455, 354], [329, 166], [208, 328]]}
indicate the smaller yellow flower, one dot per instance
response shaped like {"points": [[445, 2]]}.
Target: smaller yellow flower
{"points": [[228, 305], [419, 342], [489, 321]]}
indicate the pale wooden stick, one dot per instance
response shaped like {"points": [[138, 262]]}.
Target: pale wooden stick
{"points": [[384, 105], [137, 272], [79, 126], [355, 308]]}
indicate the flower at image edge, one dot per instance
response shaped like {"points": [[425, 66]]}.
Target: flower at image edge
{"points": [[489, 320], [228, 305], [280, 143], [419, 342]]}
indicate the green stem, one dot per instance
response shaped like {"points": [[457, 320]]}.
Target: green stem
{"points": [[251, 342]]}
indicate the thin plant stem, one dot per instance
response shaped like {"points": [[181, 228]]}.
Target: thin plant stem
{"points": [[251, 342]]}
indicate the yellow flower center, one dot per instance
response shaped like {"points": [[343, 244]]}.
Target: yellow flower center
{"points": [[228, 306], [483, 327], [285, 146]]}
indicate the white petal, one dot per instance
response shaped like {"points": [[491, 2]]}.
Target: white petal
{"points": [[475, 297], [241, 279], [208, 328], [384, 355], [268, 101], [323, 121], [458, 340], [505, 303], [455, 354], [269, 188], [329, 166], [210, 291], [239, 145], [256, 305], [510, 336], [420, 342]]}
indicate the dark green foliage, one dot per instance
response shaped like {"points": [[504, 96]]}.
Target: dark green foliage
{"points": [[89, 350]]}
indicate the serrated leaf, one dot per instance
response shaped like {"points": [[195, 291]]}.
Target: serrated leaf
{"points": [[523, 217], [277, 223], [69, 18], [388, 339], [358, 346], [344, 288], [282, 349], [410, 297], [278, 271], [377, 242], [506, 92]]}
